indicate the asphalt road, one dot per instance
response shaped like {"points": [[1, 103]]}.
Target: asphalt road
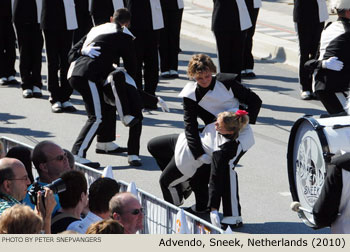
{"points": [[263, 182]]}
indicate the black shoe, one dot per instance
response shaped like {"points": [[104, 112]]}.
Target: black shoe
{"points": [[195, 211], [250, 75], [116, 151], [232, 226], [56, 107], [67, 106], [135, 163]]}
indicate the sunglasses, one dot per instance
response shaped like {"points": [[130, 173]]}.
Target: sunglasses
{"points": [[136, 211], [58, 158]]}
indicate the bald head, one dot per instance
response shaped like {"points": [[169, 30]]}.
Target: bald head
{"points": [[13, 178]]}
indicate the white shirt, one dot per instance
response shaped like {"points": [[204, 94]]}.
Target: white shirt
{"points": [[82, 225]]}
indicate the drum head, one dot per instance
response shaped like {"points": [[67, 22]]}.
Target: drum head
{"points": [[306, 164]]}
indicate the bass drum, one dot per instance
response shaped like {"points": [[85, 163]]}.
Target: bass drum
{"points": [[312, 143]]}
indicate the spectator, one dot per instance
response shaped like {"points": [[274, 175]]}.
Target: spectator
{"points": [[13, 182], [125, 208], [71, 160], [100, 193], [24, 155], [50, 161], [73, 201], [20, 219], [107, 226]]}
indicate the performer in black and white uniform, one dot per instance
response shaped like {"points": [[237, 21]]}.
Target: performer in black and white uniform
{"points": [[87, 74], [58, 20], [333, 76], [223, 183], [230, 21], [169, 46], [26, 17], [102, 10], [309, 17], [248, 59], [146, 22], [332, 208], [7, 44], [178, 165]]}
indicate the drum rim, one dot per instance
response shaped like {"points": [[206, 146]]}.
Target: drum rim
{"points": [[290, 164]]}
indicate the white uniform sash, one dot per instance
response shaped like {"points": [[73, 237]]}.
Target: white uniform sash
{"points": [[322, 10], [243, 13], [39, 7], [106, 28], [257, 4], [157, 15], [71, 18], [118, 4], [180, 4]]}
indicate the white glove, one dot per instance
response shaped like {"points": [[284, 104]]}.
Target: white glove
{"points": [[215, 219], [205, 159], [91, 51], [333, 64], [163, 105]]}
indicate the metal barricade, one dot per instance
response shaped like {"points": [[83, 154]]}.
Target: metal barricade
{"points": [[159, 215]]}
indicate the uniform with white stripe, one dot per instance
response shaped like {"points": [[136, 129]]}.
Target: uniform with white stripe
{"points": [[309, 16], [230, 21], [58, 20], [87, 75], [146, 22], [331, 86]]}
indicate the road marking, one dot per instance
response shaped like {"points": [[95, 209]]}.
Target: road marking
{"points": [[285, 194]]}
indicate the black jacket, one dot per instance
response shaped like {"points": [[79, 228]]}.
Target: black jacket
{"points": [[113, 46], [25, 12], [336, 41], [53, 16]]}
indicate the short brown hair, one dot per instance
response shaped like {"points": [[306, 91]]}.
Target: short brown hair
{"points": [[107, 226], [200, 63], [20, 219]]}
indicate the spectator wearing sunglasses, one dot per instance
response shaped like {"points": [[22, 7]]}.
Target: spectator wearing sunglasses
{"points": [[50, 161], [13, 182], [125, 208]]}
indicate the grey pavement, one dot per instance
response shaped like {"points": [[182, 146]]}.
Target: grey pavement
{"points": [[275, 37], [264, 187]]}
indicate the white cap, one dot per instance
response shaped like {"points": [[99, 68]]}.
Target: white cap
{"points": [[341, 4]]}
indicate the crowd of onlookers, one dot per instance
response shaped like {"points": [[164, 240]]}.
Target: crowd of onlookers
{"points": [[59, 199]]}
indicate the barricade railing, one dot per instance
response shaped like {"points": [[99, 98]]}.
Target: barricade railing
{"points": [[160, 217]]}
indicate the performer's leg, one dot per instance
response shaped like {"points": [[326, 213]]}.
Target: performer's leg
{"points": [[199, 184], [169, 179], [331, 101], [92, 98], [162, 148]]}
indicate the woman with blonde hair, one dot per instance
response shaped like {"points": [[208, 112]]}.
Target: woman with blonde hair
{"points": [[20, 219]]}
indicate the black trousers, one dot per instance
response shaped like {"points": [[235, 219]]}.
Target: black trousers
{"points": [[128, 102], [248, 59], [101, 116], [309, 35], [169, 46], [146, 44], [58, 43], [333, 102], [162, 148], [230, 46], [7, 48], [30, 42]]}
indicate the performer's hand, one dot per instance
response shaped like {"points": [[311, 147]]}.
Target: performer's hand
{"points": [[215, 219], [205, 159], [333, 64], [91, 51], [163, 105]]}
